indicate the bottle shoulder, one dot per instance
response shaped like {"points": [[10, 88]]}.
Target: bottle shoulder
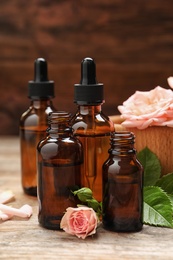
{"points": [[97, 123], [37, 111], [59, 147], [34, 117], [50, 142], [122, 164]]}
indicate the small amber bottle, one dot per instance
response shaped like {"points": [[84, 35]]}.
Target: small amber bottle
{"points": [[91, 126], [122, 186], [33, 124], [60, 156]]}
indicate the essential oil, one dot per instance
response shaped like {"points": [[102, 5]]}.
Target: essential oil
{"points": [[60, 156], [91, 126], [33, 124], [122, 186]]}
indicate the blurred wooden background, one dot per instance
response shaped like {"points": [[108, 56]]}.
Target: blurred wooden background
{"points": [[131, 42]]}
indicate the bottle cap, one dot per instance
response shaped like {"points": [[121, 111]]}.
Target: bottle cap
{"points": [[40, 87], [88, 91]]}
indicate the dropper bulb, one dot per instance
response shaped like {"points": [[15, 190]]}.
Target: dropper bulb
{"points": [[88, 91], [40, 87], [40, 70], [88, 72]]}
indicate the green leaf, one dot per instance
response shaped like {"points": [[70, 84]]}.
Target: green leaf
{"points": [[151, 165], [157, 207], [166, 183], [92, 203], [84, 194], [171, 198]]}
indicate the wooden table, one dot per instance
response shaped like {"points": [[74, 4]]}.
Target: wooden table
{"points": [[25, 239]]}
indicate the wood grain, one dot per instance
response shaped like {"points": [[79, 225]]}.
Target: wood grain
{"points": [[25, 239], [131, 42], [157, 138]]}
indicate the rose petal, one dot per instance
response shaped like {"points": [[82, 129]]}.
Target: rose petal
{"points": [[170, 81], [6, 196], [23, 212], [27, 210], [4, 216], [168, 123]]}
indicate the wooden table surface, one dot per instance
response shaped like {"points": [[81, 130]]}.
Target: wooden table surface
{"points": [[25, 239]]}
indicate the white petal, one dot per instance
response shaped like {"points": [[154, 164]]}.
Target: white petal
{"points": [[6, 196], [23, 212]]}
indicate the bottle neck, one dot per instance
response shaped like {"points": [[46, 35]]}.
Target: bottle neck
{"points": [[122, 144], [89, 110], [59, 124], [38, 103]]}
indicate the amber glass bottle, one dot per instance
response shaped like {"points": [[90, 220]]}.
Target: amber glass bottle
{"points": [[33, 124], [91, 126], [122, 186], [60, 156]]}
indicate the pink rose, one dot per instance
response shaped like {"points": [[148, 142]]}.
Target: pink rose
{"points": [[148, 108], [81, 222]]}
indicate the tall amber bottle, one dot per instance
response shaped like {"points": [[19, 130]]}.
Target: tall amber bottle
{"points": [[122, 186], [33, 124], [60, 156], [91, 126]]}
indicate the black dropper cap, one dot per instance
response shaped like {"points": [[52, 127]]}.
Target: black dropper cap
{"points": [[40, 87], [88, 91]]}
